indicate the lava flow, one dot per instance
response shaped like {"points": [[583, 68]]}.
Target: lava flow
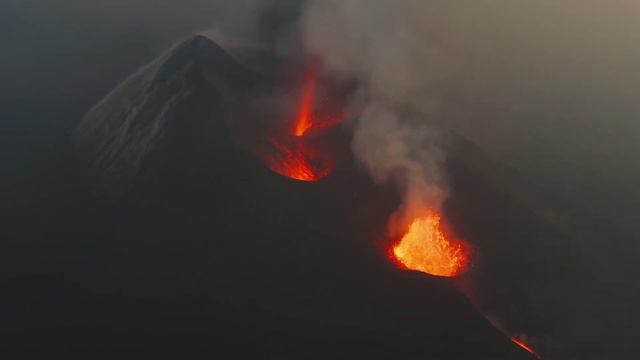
{"points": [[525, 346], [425, 248]]}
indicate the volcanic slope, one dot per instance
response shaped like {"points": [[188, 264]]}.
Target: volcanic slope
{"points": [[218, 255]]}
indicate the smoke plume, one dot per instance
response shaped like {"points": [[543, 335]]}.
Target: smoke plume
{"points": [[384, 45]]}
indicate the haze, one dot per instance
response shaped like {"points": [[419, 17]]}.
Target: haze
{"points": [[548, 88]]}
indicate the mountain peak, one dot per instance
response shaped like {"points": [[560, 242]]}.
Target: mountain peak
{"points": [[122, 136]]}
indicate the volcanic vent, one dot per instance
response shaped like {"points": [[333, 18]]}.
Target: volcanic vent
{"points": [[299, 150], [426, 248]]}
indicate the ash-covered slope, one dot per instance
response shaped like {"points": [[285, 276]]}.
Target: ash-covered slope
{"points": [[133, 131]]}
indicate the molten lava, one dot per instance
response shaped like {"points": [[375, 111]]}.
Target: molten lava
{"points": [[525, 346], [303, 121], [300, 159], [300, 153], [425, 248]]}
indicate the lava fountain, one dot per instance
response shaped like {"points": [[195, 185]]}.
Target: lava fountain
{"points": [[304, 121], [300, 153], [424, 247]]}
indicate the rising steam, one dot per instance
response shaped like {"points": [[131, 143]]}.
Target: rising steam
{"points": [[383, 45]]}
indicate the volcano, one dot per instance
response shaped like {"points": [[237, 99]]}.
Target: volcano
{"points": [[215, 252]]}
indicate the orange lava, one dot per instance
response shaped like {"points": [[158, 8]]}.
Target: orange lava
{"points": [[304, 120], [425, 248], [525, 346], [300, 153], [300, 160]]}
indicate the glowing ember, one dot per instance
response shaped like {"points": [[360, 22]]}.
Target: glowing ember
{"points": [[300, 160], [425, 248], [304, 120], [525, 346]]}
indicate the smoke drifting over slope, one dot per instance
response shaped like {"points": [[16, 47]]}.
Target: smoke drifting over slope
{"points": [[384, 45]]}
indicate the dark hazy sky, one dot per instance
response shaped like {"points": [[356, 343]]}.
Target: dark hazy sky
{"points": [[560, 77]]}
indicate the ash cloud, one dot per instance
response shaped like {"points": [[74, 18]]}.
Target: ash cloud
{"points": [[385, 46]]}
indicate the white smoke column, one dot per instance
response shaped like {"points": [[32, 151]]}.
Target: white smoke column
{"points": [[385, 45]]}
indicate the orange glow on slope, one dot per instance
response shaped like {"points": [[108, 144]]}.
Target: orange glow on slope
{"points": [[525, 346], [425, 248], [300, 160], [304, 120]]}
